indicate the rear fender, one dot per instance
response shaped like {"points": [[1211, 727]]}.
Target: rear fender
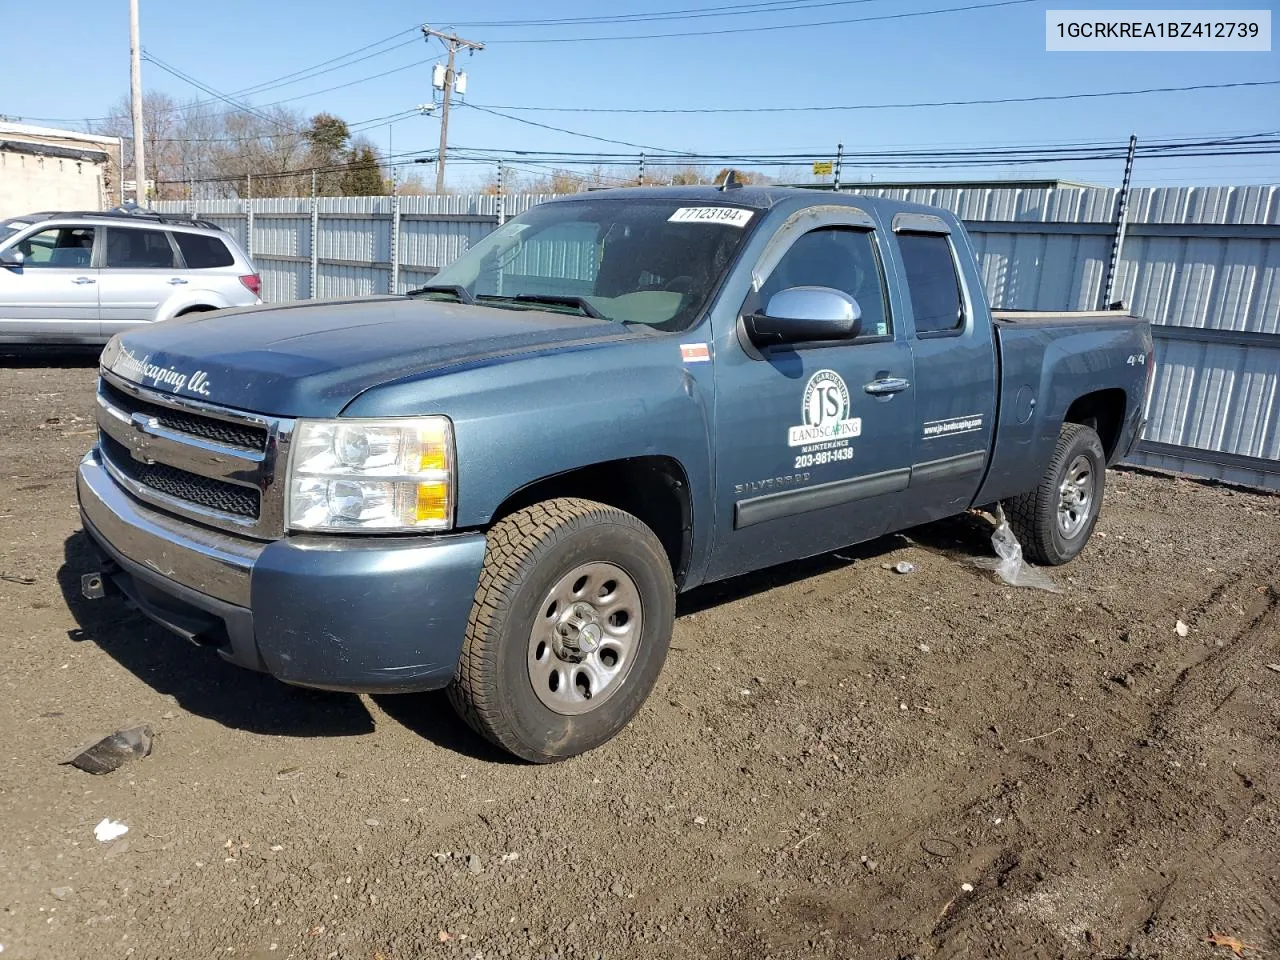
{"points": [[187, 299]]}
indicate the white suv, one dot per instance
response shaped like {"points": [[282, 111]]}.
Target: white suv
{"points": [[83, 277]]}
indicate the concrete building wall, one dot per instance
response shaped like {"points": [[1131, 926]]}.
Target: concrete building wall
{"points": [[42, 168], [29, 183]]}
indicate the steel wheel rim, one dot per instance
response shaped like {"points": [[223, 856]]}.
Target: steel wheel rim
{"points": [[585, 637], [1075, 497]]}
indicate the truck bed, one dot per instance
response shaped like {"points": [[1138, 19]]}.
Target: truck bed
{"points": [[1049, 359]]}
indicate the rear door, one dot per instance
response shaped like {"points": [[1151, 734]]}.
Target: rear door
{"points": [[139, 273], [955, 366], [54, 294], [813, 440]]}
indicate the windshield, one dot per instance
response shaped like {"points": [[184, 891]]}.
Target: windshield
{"points": [[10, 227], [653, 262]]}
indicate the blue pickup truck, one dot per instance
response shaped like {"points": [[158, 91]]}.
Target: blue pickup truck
{"points": [[498, 483]]}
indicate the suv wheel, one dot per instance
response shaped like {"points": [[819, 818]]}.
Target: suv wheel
{"points": [[569, 630]]}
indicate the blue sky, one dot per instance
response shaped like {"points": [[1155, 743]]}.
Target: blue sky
{"points": [[971, 54]]}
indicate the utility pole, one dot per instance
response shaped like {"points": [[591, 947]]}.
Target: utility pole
{"points": [[135, 98], [453, 43]]}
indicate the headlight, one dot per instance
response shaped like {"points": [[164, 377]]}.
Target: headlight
{"points": [[381, 475]]}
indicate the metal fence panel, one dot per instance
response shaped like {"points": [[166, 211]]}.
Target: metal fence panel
{"points": [[351, 280], [1041, 271], [1217, 396], [283, 281], [348, 239], [281, 236], [433, 244], [1209, 283]]}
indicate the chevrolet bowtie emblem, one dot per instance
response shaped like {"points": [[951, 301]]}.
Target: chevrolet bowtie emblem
{"points": [[140, 440]]}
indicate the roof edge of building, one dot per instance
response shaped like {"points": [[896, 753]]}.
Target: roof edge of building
{"points": [[28, 130]]}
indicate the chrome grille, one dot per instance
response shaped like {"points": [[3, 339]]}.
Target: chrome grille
{"points": [[209, 463], [181, 485], [242, 435]]}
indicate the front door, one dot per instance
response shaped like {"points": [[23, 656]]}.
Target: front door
{"points": [[139, 273], [54, 294], [814, 440]]}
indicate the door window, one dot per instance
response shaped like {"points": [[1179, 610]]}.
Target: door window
{"points": [[843, 259], [932, 281], [70, 247], [138, 249], [202, 252]]}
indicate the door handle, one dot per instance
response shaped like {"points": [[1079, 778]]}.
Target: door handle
{"points": [[886, 386], [83, 280], [177, 280]]}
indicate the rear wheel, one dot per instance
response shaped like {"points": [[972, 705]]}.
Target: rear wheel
{"points": [[569, 629], [1054, 521]]}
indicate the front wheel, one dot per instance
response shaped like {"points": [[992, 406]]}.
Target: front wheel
{"points": [[1054, 521], [569, 630]]}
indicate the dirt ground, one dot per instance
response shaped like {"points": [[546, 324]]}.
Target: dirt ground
{"points": [[838, 761]]}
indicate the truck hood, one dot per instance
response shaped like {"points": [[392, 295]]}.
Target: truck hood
{"points": [[311, 360]]}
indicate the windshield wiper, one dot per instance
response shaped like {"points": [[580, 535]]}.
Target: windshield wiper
{"points": [[462, 293], [581, 304], [557, 300]]}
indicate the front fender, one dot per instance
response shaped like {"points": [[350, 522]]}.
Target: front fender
{"points": [[518, 420]]}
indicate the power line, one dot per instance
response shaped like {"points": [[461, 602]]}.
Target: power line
{"points": [[771, 27], [572, 133], [1228, 145], [225, 98], [1259, 144], [306, 73], [276, 103], [296, 171], [354, 126], [695, 13], [1037, 98]]}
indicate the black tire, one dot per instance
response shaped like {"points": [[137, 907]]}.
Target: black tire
{"points": [[527, 554], [1034, 516]]}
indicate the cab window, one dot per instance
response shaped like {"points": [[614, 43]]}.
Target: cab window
{"points": [[838, 257], [932, 281], [70, 247]]}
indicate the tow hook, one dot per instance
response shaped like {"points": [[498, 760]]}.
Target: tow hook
{"points": [[93, 586]]}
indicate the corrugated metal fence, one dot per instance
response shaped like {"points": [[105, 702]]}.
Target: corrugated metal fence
{"points": [[362, 245], [1202, 263]]}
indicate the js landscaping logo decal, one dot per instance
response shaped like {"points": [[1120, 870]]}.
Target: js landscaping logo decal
{"points": [[825, 412]]}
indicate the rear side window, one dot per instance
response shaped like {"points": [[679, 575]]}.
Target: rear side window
{"points": [[932, 282], [202, 252], [138, 249]]}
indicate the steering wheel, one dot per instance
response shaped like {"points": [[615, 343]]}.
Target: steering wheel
{"points": [[681, 284]]}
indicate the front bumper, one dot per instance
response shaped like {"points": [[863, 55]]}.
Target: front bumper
{"points": [[362, 614]]}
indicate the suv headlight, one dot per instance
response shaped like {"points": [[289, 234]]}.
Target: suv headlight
{"points": [[379, 475]]}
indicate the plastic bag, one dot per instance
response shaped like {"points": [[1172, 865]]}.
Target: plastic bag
{"points": [[1008, 563]]}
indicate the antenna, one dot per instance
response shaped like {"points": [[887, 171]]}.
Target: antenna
{"points": [[730, 182]]}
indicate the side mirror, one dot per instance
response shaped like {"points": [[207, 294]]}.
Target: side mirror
{"points": [[12, 257], [799, 314]]}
